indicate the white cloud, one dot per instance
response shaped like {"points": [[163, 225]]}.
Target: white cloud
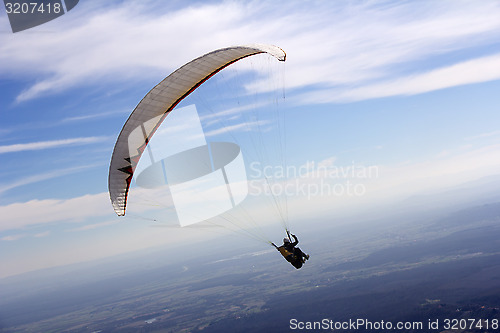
{"points": [[43, 176], [15, 237], [42, 234], [92, 116], [468, 72], [94, 226], [245, 127], [393, 182], [11, 238], [327, 163], [231, 113], [49, 144], [329, 45], [37, 212], [449, 168], [483, 135]]}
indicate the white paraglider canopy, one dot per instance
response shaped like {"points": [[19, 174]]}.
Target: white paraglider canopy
{"points": [[156, 105]]}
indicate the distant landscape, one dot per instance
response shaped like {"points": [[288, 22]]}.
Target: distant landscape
{"points": [[444, 267]]}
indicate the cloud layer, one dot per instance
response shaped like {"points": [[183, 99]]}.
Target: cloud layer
{"points": [[378, 49]]}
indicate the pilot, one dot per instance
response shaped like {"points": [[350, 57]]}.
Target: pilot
{"points": [[291, 252]]}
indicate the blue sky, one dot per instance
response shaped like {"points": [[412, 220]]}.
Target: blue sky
{"points": [[409, 87]]}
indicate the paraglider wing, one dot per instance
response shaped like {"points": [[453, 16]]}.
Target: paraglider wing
{"points": [[155, 106]]}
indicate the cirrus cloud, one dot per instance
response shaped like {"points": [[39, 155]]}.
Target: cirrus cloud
{"points": [[329, 48]]}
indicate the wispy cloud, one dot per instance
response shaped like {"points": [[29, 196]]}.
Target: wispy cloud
{"points": [[11, 238], [40, 145], [80, 209], [483, 135], [448, 168], [468, 72], [245, 127], [232, 113], [44, 176], [42, 234], [94, 226], [5, 131], [329, 45], [36, 212], [92, 116]]}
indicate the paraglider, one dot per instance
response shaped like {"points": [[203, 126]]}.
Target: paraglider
{"points": [[291, 252], [158, 103]]}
